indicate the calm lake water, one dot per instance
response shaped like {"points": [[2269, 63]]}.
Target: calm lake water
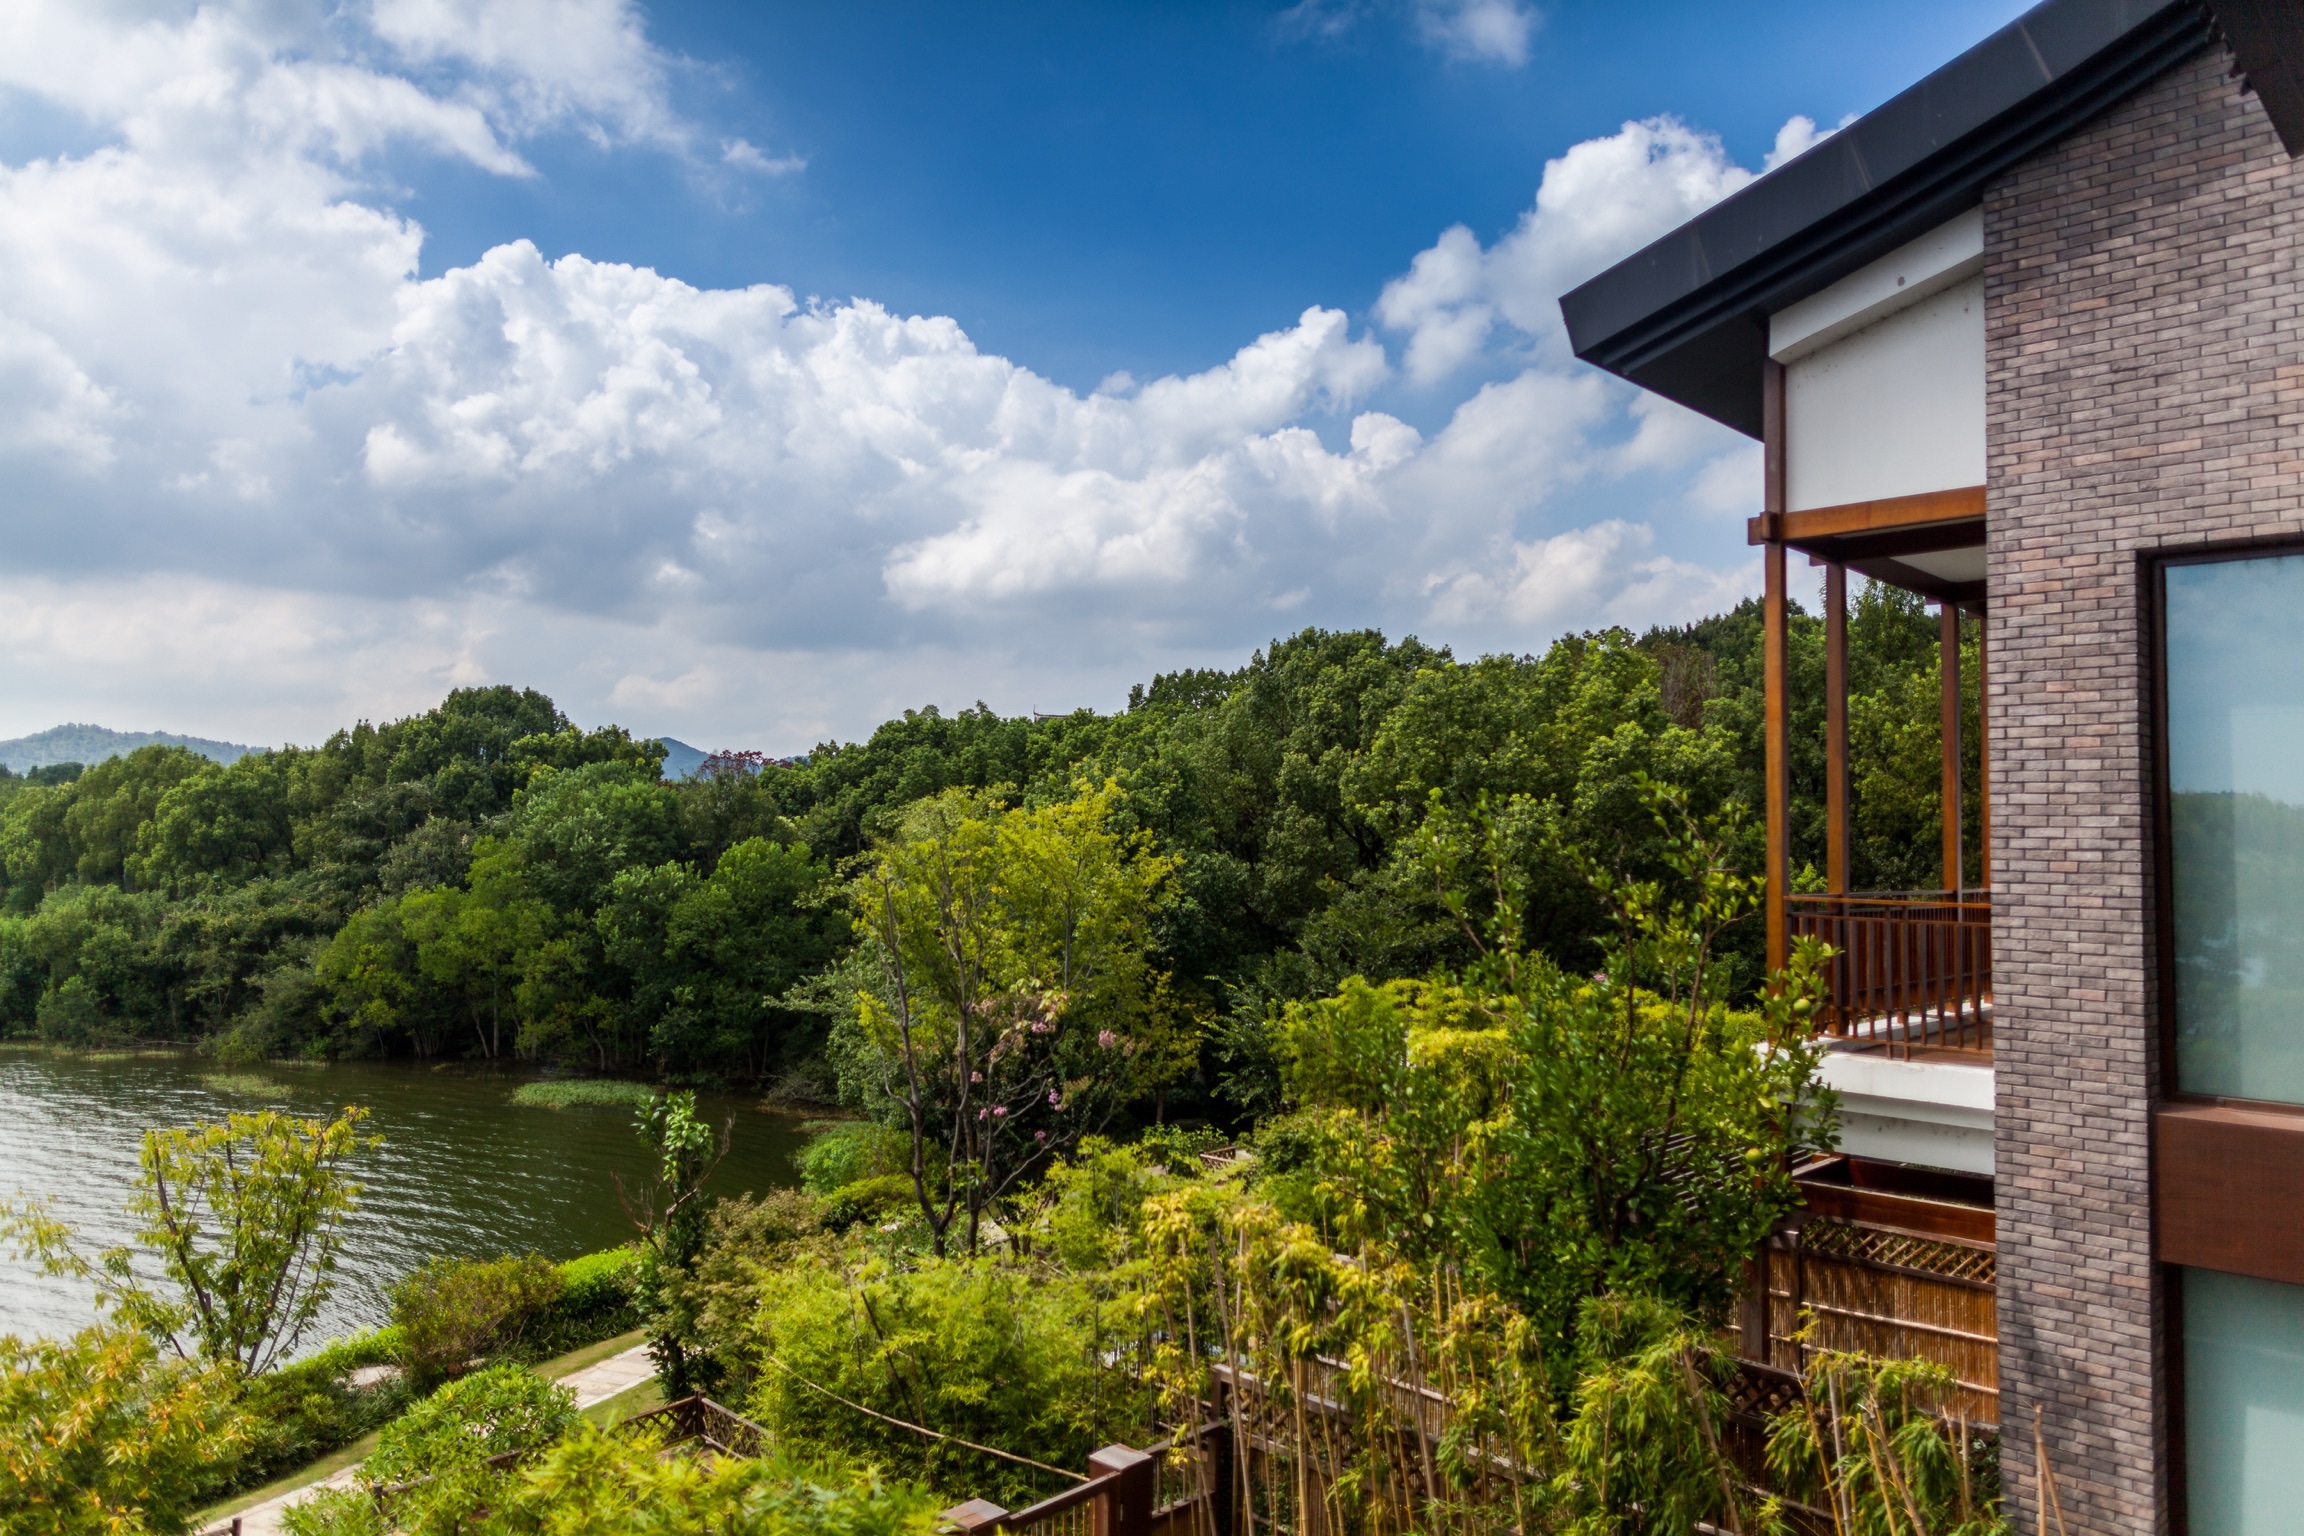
{"points": [[462, 1170]]}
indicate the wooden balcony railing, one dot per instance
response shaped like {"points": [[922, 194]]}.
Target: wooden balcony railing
{"points": [[1913, 972]]}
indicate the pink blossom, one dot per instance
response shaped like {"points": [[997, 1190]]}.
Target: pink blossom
{"points": [[999, 1111], [1107, 1039], [975, 1077], [980, 1114], [1051, 1095], [1039, 1135]]}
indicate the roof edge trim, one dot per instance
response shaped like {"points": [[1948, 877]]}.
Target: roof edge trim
{"points": [[1669, 348]]}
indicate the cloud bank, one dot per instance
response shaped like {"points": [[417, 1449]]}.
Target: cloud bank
{"points": [[266, 477]]}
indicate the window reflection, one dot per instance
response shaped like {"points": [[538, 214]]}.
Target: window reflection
{"points": [[2235, 681], [2243, 1404]]}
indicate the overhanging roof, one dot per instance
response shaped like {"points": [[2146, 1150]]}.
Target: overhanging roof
{"points": [[1688, 316], [2267, 37]]}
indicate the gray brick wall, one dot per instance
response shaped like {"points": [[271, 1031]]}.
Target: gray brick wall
{"points": [[2145, 392]]}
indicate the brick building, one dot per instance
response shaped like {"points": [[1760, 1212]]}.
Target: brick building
{"points": [[2029, 340]]}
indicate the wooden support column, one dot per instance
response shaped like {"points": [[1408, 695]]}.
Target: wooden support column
{"points": [[1948, 632], [1776, 715], [1983, 755], [1836, 728]]}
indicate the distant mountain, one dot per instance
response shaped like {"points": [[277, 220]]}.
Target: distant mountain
{"points": [[680, 759], [94, 743]]}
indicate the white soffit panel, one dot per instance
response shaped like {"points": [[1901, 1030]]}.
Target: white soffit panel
{"points": [[1961, 565], [1951, 253], [1893, 409]]}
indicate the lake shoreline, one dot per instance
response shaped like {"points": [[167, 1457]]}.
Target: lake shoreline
{"points": [[462, 1172]]}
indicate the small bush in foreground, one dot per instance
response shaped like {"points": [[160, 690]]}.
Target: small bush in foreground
{"points": [[335, 1512], [503, 1408], [967, 1347], [453, 1310], [594, 1483], [99, 1435], [581, 1093]]}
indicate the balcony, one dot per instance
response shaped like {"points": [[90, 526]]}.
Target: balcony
{"points": [[1911, 976], [1908, 1012]]}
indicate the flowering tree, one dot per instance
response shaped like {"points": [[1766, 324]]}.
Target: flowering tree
{"points": [[1016, 1006]]}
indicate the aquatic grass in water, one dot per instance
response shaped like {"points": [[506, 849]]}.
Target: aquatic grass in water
{"points": [[582, 1094], [242, 1083]]}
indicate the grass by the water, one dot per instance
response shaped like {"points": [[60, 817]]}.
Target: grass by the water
{"points": [[581, 1094]]}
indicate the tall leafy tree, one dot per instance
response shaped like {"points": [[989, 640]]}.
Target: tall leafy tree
{"points": [[1016, 1007]]}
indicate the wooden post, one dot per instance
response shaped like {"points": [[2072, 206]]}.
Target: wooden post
{"points": [[1775, 718], [1983, 754], [1221, 1480], [974, 1515], [1836, 728], [1752, 1320], [1948, 632], [1130, 1482]]}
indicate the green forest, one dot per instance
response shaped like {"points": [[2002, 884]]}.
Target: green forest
{"points": [[486, 880]]}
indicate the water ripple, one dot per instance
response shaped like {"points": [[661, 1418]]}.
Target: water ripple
{"points": [[461, 1171]]}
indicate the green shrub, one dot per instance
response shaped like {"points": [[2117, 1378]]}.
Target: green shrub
{"points": [[749, 1239], [503, 1408], [594, 1481], [581, 1093], [847, 1151], [451, 1311], [597, 1301], [967, 1347], [101, 1433], [335, 1512], [1091, 1202], [868, 1200], [304, 1410]]}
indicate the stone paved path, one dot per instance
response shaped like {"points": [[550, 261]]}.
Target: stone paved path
{"points": [[596, 1383]]}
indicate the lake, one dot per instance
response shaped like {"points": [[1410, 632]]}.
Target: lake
{"points": [[462, 1170]]}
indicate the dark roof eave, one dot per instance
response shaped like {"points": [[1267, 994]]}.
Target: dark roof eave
{"points": [[1687, 316], [2267, 37]]}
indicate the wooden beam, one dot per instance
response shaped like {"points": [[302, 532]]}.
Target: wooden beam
{"points": [[2228, 1190], [1903, 1213], [1965, 504], [1836, 728], [1776, 714], [1948, 639]]}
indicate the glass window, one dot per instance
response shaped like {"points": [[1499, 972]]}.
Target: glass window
{"points": [[2243, 1404], [2235, 680]]}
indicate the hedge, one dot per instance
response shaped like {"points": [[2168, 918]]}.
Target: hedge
{"points": [[307, 1409]]}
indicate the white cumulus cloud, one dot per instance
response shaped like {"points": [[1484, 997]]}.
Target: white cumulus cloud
{"points": [[260, 466]]}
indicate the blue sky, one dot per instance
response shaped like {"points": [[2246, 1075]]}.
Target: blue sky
{"points": [[749, 372], [1091, 188]]}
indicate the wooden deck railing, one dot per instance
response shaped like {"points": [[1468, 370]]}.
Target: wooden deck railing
{"points": [[1120, 1498], [698, 1423], [1913, 969]]}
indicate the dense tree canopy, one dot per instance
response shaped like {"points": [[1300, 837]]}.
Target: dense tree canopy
{"points": [[487, 879]]}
